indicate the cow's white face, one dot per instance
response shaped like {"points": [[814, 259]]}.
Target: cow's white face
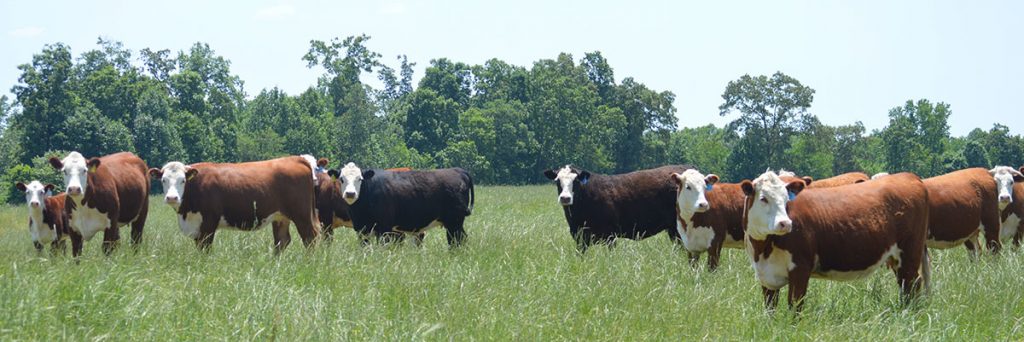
{"points": [[173, 176], [76, 173], [1004, 176], [691, 197], [351, 178], [566, 178], [767, 213], [35, 195]]}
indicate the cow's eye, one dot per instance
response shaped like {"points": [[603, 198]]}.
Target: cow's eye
{"points": [[688, 188], [764, 199]]}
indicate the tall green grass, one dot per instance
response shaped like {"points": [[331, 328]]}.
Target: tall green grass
{"points": [[518, 278]]}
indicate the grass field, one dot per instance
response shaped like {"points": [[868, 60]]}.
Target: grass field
{"points": [[517, 278]]}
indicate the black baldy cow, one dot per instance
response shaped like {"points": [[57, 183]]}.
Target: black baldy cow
{"points": [[600, 208], [386, 203]]}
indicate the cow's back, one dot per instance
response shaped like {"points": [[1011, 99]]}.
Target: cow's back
{"points": [[840, 180]]}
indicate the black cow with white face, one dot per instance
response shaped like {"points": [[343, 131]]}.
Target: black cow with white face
{"points": [[600, 208], [385, 203]]}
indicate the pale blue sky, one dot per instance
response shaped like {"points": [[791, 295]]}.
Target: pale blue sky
{"points": [[862, 57]]}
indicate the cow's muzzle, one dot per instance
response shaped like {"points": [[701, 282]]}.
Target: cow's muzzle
{"points": [[75, 191], [565, 200]]}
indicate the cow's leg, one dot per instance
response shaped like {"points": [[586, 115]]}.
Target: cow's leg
{"points": [[798, 279], [417, 239], [909, 272], [58, 246], [111, 236], [456, 230], [307, 230], [673, 236], [282, 237], [328, 235], [694, 259], [207, 230], [1017, 237], [771, 298], [76, 244], [715, 252], [972, 246], [991, 221], [38, 246], [137, 226]]}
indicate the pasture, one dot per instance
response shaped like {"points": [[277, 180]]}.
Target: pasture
{"points": [[518, 277]]}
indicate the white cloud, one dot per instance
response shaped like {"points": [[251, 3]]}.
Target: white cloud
{"points": [[393, 8], [25, 32], [276, 12]]}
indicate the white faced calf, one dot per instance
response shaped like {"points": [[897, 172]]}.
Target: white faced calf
{"points": [[690, 200], [566, 179], [351, 178], [173, 176]]}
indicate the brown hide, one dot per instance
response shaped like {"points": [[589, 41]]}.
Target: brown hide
{"points": [[961, 201], [724, 216], [850, 228], [119, 187], [244, 195]]}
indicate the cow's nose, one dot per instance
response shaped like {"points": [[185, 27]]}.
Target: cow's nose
{"points": [[565, 199], [784, 226], [35, 204], [1004, 198], [74, 190], [172, 199], [703, 206], [350, 195]]}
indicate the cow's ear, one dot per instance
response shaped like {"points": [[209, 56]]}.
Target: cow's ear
{"points": [[191, 172], [795, 188], [49, 187], [676, 178], [21, 186], [711, 179], [748, 188], [56, 163], [155, 173], [322, 162], [584, 177], [807, 180], [368, 174], [333, 173], [550, 173], [1018, 176], [93, 164]]}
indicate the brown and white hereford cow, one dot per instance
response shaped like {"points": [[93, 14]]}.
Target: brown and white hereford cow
{"points": [[710, 224], [963, 203], [47, 221], [243, 196], [104, 194], [1011, 202], [601, 208], [839, 180], [840, 233]]}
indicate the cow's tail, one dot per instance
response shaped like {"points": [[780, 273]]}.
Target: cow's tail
{"points": [[472, 192], [926, 271]]}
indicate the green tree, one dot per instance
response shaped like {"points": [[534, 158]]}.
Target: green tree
{"points": [[45, 93], [431, 121]]}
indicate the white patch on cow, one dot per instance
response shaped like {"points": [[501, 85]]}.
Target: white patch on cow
{"points": [[351, 180], [1010, 226], [697, 239], [691, 199], [173, 180], [312, 166], [893, 254], [75, 175], [879, 175], [784, 173], [565, 178], [88, 221], [189, 224], [772, 272], [938, 244], [1003, 176], [767, 215]]}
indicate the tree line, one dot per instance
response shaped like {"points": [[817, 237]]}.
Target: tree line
{"points": [[505, 123]]}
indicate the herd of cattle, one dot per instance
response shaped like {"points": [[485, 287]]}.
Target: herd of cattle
{"points": [[792, 228]]}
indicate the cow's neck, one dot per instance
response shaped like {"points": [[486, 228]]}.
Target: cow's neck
{"points": [[760, 248], [36, 220]]}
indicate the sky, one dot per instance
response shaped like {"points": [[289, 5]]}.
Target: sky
{"points": [[861, 57]]}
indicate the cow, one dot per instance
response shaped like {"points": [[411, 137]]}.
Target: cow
{"points": [[709, 225], [1011, 202], [331, 207], [47, 221], [963, 203], [389, 204], [244, 196], [843, 179], [104, 194], [840, 233], [601, 208]]}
